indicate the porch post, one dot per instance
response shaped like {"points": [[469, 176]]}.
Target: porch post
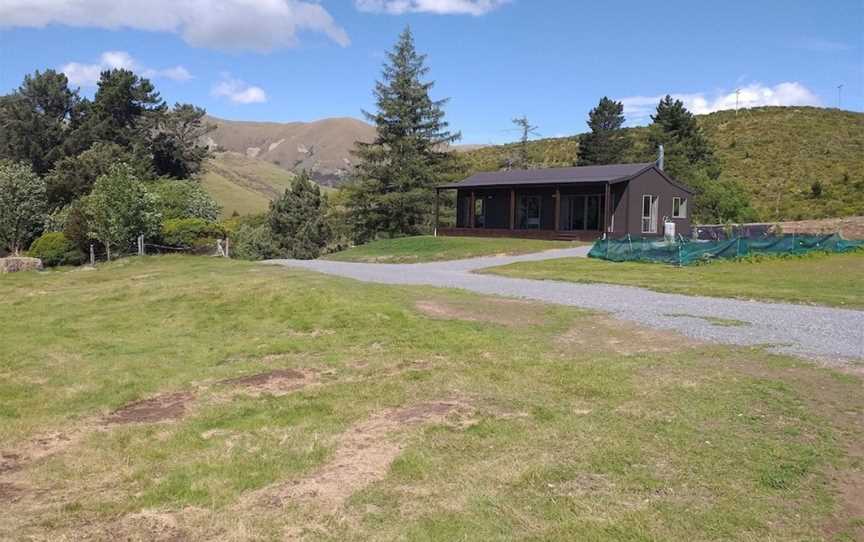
{"points": [[437, 197], [557, 208], [607, 207], [471, 211], [512, 208]]}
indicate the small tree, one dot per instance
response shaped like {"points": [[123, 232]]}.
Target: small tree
{"points": [[607, 142], [298, 220], [184, 199], [120, 208], [23, 205], [526, 130]]}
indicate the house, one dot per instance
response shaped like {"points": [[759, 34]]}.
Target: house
{"points": [[579, 203]]}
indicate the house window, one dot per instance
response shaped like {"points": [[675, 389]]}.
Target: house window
{"points": [[479, 213], [679, 207], [650, 206]]}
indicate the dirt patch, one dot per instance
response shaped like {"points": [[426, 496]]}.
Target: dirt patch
{"points": [[278, 382], [9, 462], [507, 312], [169, 406], [10, 492], [851, 227], [363, 456], [603, 333], [849, 519]]}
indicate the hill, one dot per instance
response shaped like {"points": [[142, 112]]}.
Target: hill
{"points": [[323, 147], [778, 153], [242, 184]]}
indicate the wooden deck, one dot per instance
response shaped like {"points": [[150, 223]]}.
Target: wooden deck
{"points": [[551, 235]]}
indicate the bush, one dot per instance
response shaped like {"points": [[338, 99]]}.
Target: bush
{"points": [[183, 199], [254, 243], [54, 248], [192, 233]]}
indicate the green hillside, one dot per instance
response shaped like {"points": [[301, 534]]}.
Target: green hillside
{"points": [[242, 184], [777, 152]]}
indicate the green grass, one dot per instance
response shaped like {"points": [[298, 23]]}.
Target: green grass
{"points": [[430, 249], [561, 434], [833, 280]]}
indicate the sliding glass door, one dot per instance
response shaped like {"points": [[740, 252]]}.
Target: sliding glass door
{"points": [[529, 213], [580, 212]]}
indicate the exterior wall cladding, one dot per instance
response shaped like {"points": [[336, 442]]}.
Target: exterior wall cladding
{"points": [[626, 205]]}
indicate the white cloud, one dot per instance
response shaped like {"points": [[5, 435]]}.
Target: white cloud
{"points": [[238, 91], [87, 75], [440, 7], [637, 109], [258, 25]]}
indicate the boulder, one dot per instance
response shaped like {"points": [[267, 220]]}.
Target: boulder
{"points": [[19, 263]]}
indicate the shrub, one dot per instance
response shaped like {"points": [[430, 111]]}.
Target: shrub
{"points": [[183, 199], [254, 243], [298, 220], [53, 248], [191, 232]]}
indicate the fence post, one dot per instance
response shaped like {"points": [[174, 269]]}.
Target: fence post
{"points": [[140, 245], [92, 255], [227, 247]]}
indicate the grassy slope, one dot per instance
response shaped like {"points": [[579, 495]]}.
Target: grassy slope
{"points": [[242, 184], [822, 279], [430, 249], [774, 151], [566, 435]]}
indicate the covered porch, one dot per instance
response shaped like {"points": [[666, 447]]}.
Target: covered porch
{"points": [[567, 212]]}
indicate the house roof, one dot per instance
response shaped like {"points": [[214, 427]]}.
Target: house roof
{"points": [[565, 175]]}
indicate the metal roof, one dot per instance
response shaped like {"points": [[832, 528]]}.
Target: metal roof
{"points": [[565, 175]]}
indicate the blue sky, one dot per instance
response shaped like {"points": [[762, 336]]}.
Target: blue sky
{"points": [[288, 60]]}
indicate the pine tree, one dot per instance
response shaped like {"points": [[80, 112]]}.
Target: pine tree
{"points": [[606, 143], [298, 220], [686, 148], [690, 159], [35, 120], [392, 192], [125, 110]]}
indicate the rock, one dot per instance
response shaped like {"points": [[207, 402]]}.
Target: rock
{"points": [[18, 263]]}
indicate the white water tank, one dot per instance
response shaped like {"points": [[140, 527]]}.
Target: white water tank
{"points": [[669, 230]]}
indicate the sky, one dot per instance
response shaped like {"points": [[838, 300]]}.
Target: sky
{"points": [[551, 60]]}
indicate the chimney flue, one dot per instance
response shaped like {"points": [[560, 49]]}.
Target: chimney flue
{"points": [[661, 157]]}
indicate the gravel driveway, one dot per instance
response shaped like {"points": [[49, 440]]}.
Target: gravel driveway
{"points": [[827, 334]]}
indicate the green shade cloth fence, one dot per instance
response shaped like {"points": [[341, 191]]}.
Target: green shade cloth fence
{"points": [[687, 252]]}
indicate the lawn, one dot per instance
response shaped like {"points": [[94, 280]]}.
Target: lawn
{"points": [[430, 249], [175, 397], [834, 280]]}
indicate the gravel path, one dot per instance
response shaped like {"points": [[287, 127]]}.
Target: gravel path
{"points": [[829, 335]]}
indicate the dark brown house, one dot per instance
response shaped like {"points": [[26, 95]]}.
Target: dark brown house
{"points": [[570, 203]]}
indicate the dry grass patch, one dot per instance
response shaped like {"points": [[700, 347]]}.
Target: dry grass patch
{"points": [[506, 312], [604, 333], [363, 456]]}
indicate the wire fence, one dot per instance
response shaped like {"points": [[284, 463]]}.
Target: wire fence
{"points": [[99, 253]]}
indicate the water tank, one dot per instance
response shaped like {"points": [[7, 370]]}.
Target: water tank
{"points": [[669, 230]]}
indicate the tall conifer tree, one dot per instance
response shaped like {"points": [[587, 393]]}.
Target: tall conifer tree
{"points": [[686, 147], [607, 142], [392, 192]]}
